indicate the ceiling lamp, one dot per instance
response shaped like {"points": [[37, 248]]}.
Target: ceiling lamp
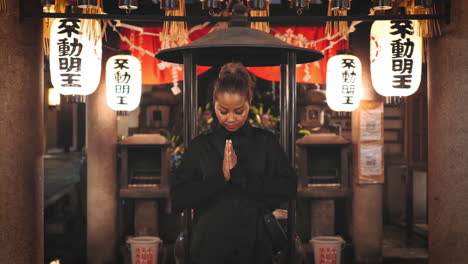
{"points": [[212, 4], [422, 3], [258, 4], [87, 3], [344, 80], [123, 83], [382, 4], [396, 57], [169, 4], [128, 4], [299, 4], [341, 4]]}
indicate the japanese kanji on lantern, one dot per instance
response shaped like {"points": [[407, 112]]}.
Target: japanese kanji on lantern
{"points": [[396, 57], [75, 61], [123, 82], [344, 78]]}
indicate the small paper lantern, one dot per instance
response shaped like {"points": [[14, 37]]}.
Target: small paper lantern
{"points": [[396, 57], [344, 78], [123, 82], [75, 61]]}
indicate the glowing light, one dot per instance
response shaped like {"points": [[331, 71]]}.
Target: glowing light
{"points": [[53, 97], [344, 78], [396, 57], [123, 82]]}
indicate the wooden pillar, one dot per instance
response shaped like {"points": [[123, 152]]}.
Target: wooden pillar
{"points": [[21, 137], [448, 140], [101, 136], [367, 222]]}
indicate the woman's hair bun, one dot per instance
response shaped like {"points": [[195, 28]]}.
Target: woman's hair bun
{"points": [[234, 78], [233, 70]]}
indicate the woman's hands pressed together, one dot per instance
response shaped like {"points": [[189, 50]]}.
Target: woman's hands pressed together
{"points": [[230, 159]]}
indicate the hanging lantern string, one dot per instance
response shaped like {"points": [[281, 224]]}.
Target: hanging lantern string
{"points": [[263, 26], [336, 26], [92, 27], [174, 33], [427, 28], [126, 40], [59, 7], [46, 24]]}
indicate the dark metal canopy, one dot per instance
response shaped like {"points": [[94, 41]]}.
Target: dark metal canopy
{"points": [[250, 46]]}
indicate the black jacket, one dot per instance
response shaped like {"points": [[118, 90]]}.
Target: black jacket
{"points": [[228, 220]]}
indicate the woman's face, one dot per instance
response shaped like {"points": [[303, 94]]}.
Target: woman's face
{"points": [[232, 110]]}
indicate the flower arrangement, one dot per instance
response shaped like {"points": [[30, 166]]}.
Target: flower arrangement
{"points": [[263, 119], [205, 119]]}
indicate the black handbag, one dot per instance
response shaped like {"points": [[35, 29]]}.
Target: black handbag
{"points": [[279, 240]]}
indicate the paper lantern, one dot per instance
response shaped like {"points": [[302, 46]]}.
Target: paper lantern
{"points": [[344, 78], [396, 57], [123, 82], [75, 61]]}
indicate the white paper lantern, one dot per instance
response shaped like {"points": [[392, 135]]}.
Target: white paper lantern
{"points": [[344, 78], [396, 57], [123, 82], [75, 61]]}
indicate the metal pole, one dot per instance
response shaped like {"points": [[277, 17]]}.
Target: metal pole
{"points": [[292, 91], [193, 99], [187, 100], [284, 109]]}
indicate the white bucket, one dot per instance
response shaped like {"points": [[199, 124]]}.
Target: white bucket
{"points": [[327, 249], [144, 249]]}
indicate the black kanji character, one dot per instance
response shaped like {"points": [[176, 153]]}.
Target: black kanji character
{"points": [[400, 49], [68, 64], [348, 63], [121, 64], [347, 89], [402, 81], [347, 100], [402, 65], [402, 28], [122, 89], [122, 78], [123, 100], [349, 76], [69, 26], [69, 81]]}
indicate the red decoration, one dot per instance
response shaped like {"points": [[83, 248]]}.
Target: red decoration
{"points": [[157, 72]]}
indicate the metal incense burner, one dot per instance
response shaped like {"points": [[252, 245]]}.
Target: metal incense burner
{"points": [[251, 47]]}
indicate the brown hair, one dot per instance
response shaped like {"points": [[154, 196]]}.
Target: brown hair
{"points": [[234, 78]]}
